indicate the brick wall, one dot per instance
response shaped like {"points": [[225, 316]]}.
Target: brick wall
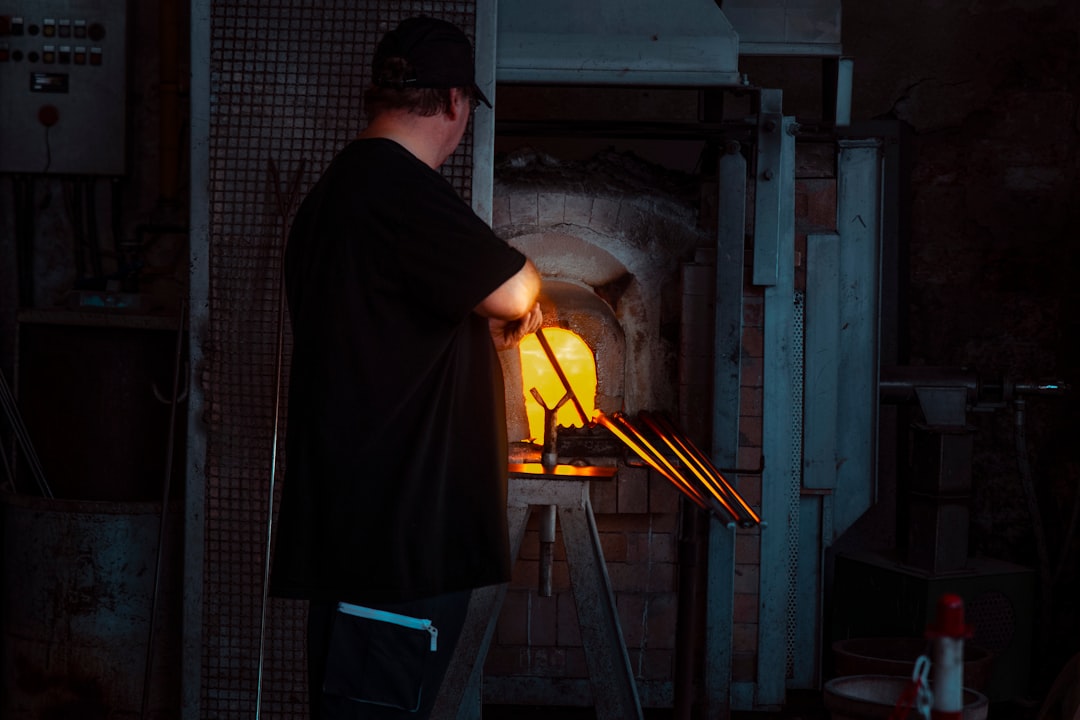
{"points": [[537, 652], [537, 642]]}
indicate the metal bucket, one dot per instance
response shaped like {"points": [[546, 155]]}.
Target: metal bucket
{"points": [[897, 656], [78, 581], [873, 697]]}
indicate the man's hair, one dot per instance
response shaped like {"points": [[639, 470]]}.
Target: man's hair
{"points": [[388, 91]]}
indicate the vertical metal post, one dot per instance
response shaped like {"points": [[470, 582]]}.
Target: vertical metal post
{"points": [[483, 171], [198, 318], [730, 253], [858, 223], [614, 690], [547, 549], [774, 244]]}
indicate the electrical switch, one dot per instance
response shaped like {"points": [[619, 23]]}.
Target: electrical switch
{"points": [[64, 66]]}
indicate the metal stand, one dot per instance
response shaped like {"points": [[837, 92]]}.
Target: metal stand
{"points": [[615, 695]]}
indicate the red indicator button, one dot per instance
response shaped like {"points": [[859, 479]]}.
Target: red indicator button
{"points": [[48, 115]]}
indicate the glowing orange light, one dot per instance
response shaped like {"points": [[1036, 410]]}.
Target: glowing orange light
{"points": [[579, 365]]}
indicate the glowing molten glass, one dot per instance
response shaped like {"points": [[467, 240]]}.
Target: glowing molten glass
{"points": [[578, 364]]}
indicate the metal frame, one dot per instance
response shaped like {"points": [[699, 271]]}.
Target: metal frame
{"points": [[198, 317], [614, 690], [774, 246], [720, 583]]}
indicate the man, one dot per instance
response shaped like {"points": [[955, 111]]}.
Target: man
{"points": [[394, 501]]}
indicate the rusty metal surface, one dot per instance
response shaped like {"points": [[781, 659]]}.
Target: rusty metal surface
{"points": [[75, 624]]}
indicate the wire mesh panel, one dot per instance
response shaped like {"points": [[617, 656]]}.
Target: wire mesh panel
{"points": [[286, 84]]}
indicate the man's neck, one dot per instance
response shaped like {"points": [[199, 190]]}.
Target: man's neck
{"points": [[424, 137]]}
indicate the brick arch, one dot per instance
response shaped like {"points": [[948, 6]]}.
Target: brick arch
{"points": [[621, 249]]}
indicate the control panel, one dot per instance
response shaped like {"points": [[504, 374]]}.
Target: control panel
{"points": [[63, 80]]}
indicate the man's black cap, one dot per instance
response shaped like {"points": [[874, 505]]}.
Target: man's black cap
{"points": [[439, 52]]}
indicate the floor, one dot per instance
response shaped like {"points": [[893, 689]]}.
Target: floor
{"points": [[803, 706]]}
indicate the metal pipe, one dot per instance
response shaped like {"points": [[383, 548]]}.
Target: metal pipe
{"points": [[655, 461], [547, 549], [699, 459], [898, 383], [692, 555], [285, 202], [169, 115], [676, 445]]}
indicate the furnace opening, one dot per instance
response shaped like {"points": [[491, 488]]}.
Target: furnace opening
{"points": [[578, 364]]}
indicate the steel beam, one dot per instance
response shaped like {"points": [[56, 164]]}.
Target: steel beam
{"points": [[859, 226], [769, 187], [614, 691], [822, 384], [720, 582], [777, 481]]}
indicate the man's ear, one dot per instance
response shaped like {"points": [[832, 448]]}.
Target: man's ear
{"points": [[456, 95]]}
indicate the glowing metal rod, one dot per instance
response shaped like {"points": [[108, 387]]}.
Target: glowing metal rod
{"points": [[621, 428], [685, 458], [702, 461]]}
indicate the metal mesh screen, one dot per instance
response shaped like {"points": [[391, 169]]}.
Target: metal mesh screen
{"points": [[287, 79]]}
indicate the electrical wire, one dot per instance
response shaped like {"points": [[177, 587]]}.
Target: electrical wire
{"points": [[11, 410], [166, 491]]}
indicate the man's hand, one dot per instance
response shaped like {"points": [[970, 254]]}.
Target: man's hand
{"points": [[508, 333]]}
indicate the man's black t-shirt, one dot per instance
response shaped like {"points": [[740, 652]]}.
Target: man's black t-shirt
{"points": [[395, 484]]}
